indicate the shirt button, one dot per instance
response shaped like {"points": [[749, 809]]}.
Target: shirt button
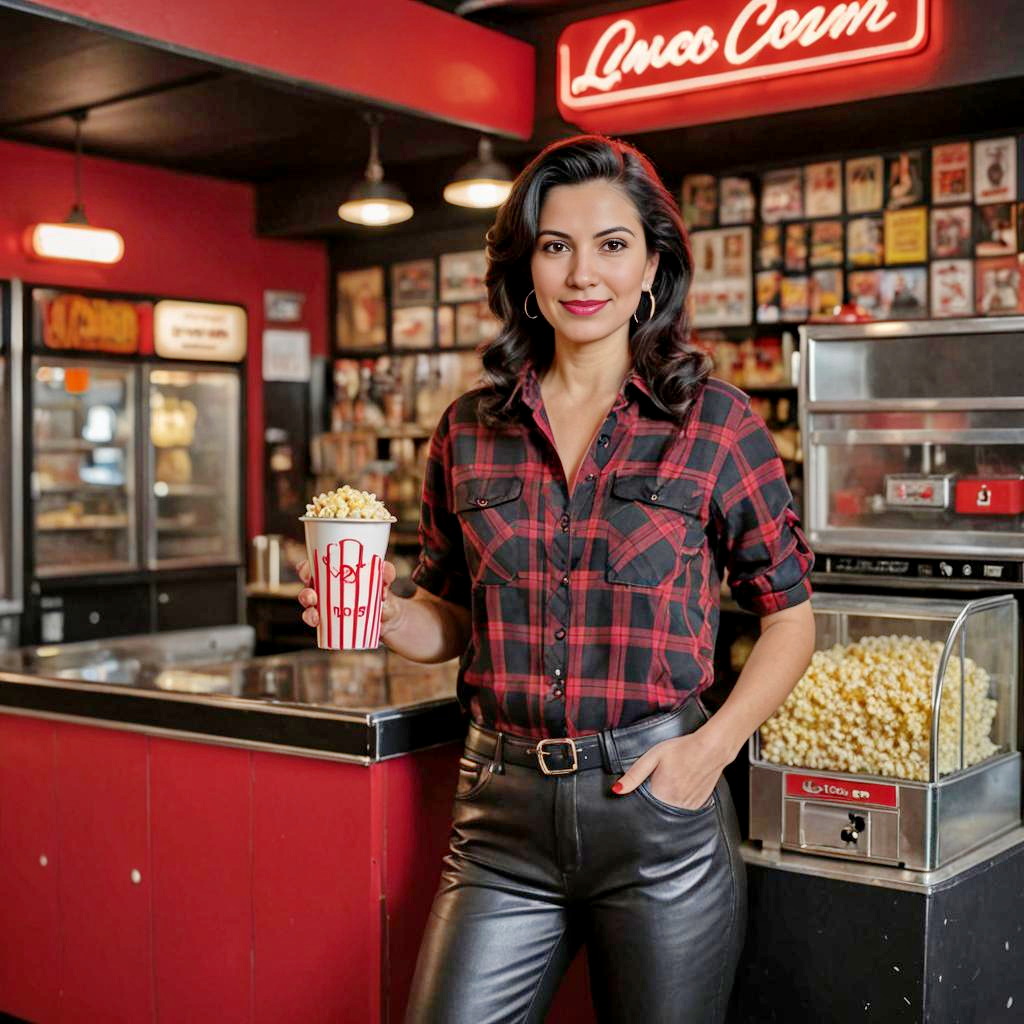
{"points": [[557, 691], [603, 440], [559, 634], [481, 501], [655, 496], [558, 671], [591, 476], [565, 581], [565, 522]]}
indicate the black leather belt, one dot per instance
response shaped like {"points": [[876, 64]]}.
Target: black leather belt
{"points": [[565, 755]]}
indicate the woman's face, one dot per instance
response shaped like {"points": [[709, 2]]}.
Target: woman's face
{"points": [[590, 262]]}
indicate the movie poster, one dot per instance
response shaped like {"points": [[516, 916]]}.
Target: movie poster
{"points": [[995, 170], [796, 247], [794, 294], [995, 229], [826, 243], [736, 201], [865, 289], [782, 195], [722, 277], [864, 181], [864, 242], [904, 294], [906, 235], [952, 236], [951, 173], [698, 200], [826, 293], [998, 285], [952, 288], [823, 189], [769, 297], [769, 247], [905, 180]]}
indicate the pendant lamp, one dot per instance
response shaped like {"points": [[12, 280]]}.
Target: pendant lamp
{"points": [[482, 183], [373, 202], [76, 240]]}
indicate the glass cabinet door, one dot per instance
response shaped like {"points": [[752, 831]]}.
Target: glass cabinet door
{"points": [[83, 470], [194, 470]]}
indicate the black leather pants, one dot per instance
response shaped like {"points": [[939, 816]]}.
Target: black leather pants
{"points": [[539, 865]]}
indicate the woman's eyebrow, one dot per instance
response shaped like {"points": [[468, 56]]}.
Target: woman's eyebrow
{"points": [[599, 234]]}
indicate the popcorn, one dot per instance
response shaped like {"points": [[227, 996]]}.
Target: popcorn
{"points": [[348, 503], [867, 707]]}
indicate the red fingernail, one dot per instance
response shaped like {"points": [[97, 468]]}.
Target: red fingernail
{"points": [[617, 787]]}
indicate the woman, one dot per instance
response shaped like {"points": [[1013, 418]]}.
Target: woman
{"points": [[578, 512]]}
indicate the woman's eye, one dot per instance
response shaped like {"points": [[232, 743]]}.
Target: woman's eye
{"points": [[615, 245], [555, 247]]}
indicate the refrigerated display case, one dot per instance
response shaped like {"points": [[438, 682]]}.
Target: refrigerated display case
{"points": [[83, 472], [136, 468], [194, 450]]}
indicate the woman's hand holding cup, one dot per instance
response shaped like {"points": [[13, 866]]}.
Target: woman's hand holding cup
{"points": [[389, 612]]}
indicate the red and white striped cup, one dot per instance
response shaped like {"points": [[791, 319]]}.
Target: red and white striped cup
{"points": [[346, 560]]}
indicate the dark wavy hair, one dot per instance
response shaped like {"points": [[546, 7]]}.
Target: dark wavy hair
{"points": [[659, 347]]}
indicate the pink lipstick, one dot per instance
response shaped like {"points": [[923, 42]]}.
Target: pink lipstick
{"points": [[585, 307]]}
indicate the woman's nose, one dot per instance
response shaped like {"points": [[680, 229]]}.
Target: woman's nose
{"points": [[581, 272]]}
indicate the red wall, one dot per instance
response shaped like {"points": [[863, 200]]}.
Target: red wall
{"points": [[185, 236]]}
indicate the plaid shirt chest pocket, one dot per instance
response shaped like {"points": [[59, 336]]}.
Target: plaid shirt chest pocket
{"points": [[490, 512], [654, 529]]}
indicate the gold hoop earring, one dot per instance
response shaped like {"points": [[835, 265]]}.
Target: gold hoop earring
{"points": [[526, 311], [649, 292]]}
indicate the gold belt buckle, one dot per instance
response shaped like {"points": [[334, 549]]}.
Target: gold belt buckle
{"points": [[541, 752]]}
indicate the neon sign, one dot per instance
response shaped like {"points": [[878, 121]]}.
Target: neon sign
{"points": [[693, 45]]}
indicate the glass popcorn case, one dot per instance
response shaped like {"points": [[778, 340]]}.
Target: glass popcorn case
{"points": [[899, 743]]}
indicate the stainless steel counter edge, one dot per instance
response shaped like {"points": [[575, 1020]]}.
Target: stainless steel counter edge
{"points": [[924, 882], [359, 736]]}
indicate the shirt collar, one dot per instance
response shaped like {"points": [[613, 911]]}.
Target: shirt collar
{"points": [[529, 386]]}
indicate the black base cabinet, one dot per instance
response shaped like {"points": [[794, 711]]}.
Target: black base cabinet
{"points": [[65, 611], [824, 951]]}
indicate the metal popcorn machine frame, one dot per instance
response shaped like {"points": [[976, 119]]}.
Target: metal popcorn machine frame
{"points": [[914, 441]]}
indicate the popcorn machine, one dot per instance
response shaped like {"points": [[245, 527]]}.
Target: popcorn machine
{"points": [[900, 744]]}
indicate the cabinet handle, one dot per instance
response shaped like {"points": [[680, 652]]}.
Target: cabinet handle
{"points": [[94, 617], [163, 597], [43, 860], [136, 876]]}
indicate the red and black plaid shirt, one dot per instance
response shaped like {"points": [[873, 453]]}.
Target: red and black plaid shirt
{"points": [[594, 611]]}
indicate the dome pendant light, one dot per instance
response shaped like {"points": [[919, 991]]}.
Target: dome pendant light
{"points": [[373, 202], [482, 183], [76, 240]]}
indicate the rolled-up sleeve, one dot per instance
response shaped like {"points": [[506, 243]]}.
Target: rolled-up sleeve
{"points": [[441, 568], [759, 541]]}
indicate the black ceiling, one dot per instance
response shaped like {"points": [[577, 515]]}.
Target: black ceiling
{"points": [[153, 106]]}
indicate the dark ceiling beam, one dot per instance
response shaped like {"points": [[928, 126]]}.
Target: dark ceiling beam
{"points": [[110, 101]]}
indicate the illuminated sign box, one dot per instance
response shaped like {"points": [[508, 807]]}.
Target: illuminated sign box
{"points": [[692, 45], [199, 330]]}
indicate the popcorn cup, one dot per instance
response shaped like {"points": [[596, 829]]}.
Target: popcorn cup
{"points": [[346, 559]]}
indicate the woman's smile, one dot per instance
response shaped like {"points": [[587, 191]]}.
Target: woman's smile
{"points": [[585, 307]]}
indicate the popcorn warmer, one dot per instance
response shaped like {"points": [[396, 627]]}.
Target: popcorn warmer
{"points": [[899, 744]]}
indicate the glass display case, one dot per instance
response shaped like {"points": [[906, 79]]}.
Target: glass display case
{"points": [[915, 443], [193, 464], [83, 470], [899, 743], [11, 441]]}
